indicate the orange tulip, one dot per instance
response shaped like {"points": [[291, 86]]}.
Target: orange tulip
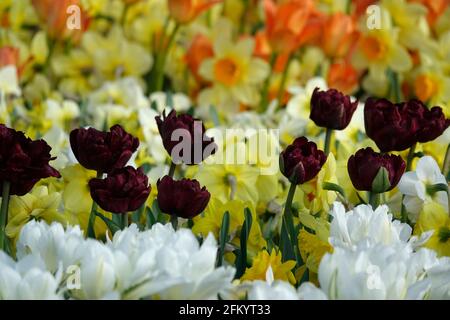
{"points": [[435, 8], [343, 77], [184, 11], [9, 55], [55, 15], [361, 7], [200, 49], [285, 23], [339, 35]]}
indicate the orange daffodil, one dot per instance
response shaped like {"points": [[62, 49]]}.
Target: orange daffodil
{"points": [[184, 11], [233, 71]]}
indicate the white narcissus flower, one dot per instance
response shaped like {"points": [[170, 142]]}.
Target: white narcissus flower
{"points": [[365, 225], [181, 102], [413, 185]]}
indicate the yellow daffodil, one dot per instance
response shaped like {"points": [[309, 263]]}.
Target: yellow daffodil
{"points": [[211, 221], [235, 75], [77, 198], [312, 196], [39, 204], [129, 58], [379, 50], [434, 217], [312, 249], [263, 261]]}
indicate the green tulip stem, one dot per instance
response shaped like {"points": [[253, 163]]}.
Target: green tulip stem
{"points": [[92, 216], [374, 199], [411, 156], [124, 220], [4, 213], [174, 221], [289, 222], [328, 134], [173, 166], [446, 164]]}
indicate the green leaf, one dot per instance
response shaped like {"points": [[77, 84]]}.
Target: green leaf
{"points": [[330, 186], [432, 189], [223, 237], [110, 223], [381, 182], [245, 232], [286, 248], [214, 115], [151, 219], [169, 99]]}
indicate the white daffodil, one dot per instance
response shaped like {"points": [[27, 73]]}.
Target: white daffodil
{"points": [[363, 225], [414, 185], [298, 106], [180, 102]]}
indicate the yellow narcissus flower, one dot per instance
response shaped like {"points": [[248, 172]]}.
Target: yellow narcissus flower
{"points": [[432, 86], [234, 73], [227, 182], [263, 261], [39, 204], [129, 58], [211, 221], [434, 217], [312, 249], [410, 17], [379, 50], [77, 197], [75, 71], [311, 194]]}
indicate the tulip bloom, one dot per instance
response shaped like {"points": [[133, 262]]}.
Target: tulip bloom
{"points": [[339, 35], [343, 77], [200, 49], [125, 189], [23, 162], [301, 161], [174, 127], [363, 167], [55, 15], [103, 151], [184, 11], [285, 23], [331, 109], [184, 198], [397, 127]]}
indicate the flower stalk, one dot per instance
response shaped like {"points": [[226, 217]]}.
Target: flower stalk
{"points": [[92, 215], [328, 134], [265, 90], [4, 213]]}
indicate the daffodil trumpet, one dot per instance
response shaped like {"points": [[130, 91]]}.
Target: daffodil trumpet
{"points": [[4, 213]]}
